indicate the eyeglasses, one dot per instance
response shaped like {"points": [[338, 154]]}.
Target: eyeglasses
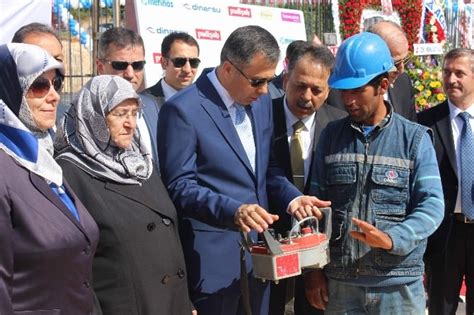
{"points": [[253, 82], [122, 65], [41, 86], [180, 62], [403, 61], [122, 115]]}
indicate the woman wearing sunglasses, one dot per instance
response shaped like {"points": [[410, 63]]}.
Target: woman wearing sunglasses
{"points": [[139, 265], [47, 237]]}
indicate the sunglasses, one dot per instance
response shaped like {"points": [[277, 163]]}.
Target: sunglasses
{"points": [[254, 82], [403, 61], [122, 65], [41, 86], [180, 62]]}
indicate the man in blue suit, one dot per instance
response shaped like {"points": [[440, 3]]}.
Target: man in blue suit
{"points": [[214, 142]]}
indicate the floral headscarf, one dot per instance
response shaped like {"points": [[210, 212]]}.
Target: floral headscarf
{"points": [[84, 138]]}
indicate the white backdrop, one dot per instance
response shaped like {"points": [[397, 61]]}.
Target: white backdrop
{"points": [[16, 13], [210, 22]]}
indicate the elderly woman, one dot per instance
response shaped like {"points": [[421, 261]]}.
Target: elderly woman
{"points": [[47, 238], [139, 266]]}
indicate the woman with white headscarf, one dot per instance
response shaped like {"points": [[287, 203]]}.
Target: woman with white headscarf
{"points": [[47, 237], [139, 265]]}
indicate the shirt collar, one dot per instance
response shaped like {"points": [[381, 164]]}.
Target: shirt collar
{"points": [[291, 119], [454, 111], [168, 90], [225, 96]]}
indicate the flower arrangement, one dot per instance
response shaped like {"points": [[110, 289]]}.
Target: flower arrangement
{"points": [[425, 73], [350, 12], [433, 31]]}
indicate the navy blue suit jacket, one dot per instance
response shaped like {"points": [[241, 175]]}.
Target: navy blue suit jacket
{"points": [[208, 175]]}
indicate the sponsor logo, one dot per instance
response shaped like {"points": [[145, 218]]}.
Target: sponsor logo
{"points": [[158, 3], [290, 17], [391, 176], [157, 57], [266, 15], [162, 31], [238, 11], [201, 8], [208, 34]]}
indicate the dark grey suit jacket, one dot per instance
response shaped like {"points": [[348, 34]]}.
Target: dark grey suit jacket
{"points": [[400, 95], [281, 148], [45, 253], [437, 118]]}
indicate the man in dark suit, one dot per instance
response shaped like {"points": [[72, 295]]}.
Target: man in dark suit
{"points": [[214, 141], [122, 52], [400, 92], [307, 88], [450, 252], [180, 61]]}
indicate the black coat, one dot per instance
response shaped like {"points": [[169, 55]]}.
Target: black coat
{"points": [[139, 266], [437, 118]]}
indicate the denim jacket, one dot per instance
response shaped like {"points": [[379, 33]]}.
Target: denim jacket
{"points": [[388, 178]]}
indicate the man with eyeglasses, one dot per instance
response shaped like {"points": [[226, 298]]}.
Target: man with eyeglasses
{"points": [[122, 52], [400, 92], [180, 61], [214, 141]]}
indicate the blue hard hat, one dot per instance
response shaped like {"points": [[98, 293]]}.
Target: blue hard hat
{"points": [[359, 59]]}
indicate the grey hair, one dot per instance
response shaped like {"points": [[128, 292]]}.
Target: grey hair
{"points": [[245, 42], [458, 53]]}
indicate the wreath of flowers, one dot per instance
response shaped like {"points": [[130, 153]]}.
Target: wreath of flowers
{"points": [[350, 12], [433, 31]]}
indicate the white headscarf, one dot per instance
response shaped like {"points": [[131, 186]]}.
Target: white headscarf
{"points": [[20, 137]]}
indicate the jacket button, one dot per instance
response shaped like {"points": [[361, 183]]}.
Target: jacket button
{"points": [[151, 226], [87, 284], [181, 273], [166, 279], [166, 221], [87, 251]]}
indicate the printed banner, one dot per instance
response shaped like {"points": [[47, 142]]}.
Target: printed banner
{"points": [[210, 22]]}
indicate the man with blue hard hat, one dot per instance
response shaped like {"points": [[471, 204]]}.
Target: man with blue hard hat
{"points": [[379, 170]]}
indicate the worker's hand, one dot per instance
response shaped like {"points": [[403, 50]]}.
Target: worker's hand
{"points": [[253, 217], [371, 236]]}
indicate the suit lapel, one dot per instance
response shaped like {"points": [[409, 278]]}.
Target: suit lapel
{"points": [[443, 127], [281, 147], [218, 112], [143, 196], [43, 187]]}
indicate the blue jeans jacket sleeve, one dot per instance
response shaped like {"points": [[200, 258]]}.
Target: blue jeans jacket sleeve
{"points": [[427, 198]]}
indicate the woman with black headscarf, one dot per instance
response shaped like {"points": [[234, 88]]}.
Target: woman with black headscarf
{"points": [[139, 266], [47, 237]]}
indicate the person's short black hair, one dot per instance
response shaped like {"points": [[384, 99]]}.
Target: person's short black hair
{"points": [[176, 36], [33, 28], [120, 37], [318, 53]]}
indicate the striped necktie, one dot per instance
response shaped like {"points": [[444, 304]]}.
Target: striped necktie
{"points": [[467, 167]]}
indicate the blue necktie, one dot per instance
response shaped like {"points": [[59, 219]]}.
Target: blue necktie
{"points": [[467, 167], [244, 130], [59, 190]]}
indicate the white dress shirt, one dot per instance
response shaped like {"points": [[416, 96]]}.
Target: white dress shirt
{"points": [[456, 126], [307, 135]]}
